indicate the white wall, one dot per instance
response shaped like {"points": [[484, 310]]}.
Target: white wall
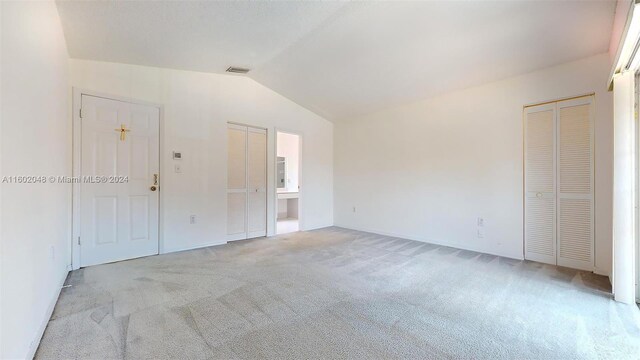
{"points": [[429, 169], [624, 188], [197, 107], [288, 147], [35, 218]]}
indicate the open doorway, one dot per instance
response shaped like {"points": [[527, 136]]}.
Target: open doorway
{"points": [[287, 182]]}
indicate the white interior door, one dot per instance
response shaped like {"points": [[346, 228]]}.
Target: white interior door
{"points": [[246, 182], [118, 208], [559, 183], [236, 182], [257, 178], [540, 183], [575, 183]]}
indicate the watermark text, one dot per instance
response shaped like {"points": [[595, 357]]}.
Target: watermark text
{"points": [[86, 179]]}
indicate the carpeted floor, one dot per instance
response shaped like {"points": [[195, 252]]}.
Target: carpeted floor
{"points": [[337, 293]]}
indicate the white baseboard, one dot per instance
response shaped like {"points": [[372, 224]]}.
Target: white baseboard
{"points": [[429, 241], [315, 227], [33, 347], [194, 247], [601, 272], [598, 271]]}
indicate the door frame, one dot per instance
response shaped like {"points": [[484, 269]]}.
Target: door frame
{"points": [[636, 175], [266, 176], [77, 167], [578, 98], [274, 220]]}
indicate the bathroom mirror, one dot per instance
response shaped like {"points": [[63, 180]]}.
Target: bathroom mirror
{"points": [[281, 163]]}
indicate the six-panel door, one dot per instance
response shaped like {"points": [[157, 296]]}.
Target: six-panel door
{"points": [[119, 164]]}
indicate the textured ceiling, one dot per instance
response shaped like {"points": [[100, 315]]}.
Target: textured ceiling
{"points": [[204, 36], [343, 59]]}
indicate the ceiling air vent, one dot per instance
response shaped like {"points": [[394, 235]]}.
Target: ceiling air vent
{"points": [[237, 70]]}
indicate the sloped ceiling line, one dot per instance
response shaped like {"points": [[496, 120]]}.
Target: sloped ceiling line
{"points": [[340, 59]]}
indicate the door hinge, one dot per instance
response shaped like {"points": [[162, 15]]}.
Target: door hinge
{"points": [[80, 113]]}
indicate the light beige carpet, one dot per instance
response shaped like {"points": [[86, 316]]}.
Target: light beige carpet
{"points": [[337, 293]]}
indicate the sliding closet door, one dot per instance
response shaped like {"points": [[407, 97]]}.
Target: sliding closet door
{"points": [[575, 183], [236, 182], [257, 189], [540, 183]]}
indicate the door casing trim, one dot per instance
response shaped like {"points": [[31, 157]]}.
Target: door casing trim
{"points": [[274, 219]]}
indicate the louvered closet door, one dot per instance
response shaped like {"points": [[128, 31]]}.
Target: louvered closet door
{"points": [[257, 178], [575, 183], [236, 182], [540, 186]]}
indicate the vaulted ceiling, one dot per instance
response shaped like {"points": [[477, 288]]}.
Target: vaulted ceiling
{"points": [[343, 59]]}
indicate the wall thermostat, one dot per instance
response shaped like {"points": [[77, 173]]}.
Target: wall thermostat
{"points": [[177, 155]]}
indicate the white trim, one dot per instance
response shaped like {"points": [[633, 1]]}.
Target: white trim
{"points": [[624, 173], [77, 169], [1, 202], [301, 226], [238, 236], [257, 233], [565, 98], [240, 126], [198, 246], [599, 271], [35, 343], [75, 189], [427, 241], [636, 121], [626, 43], [624, 75]]}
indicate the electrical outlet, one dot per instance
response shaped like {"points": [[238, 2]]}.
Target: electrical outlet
{"points": [[192, 219], [480, 222], [177, 168], [480, 233], [354, 209]]}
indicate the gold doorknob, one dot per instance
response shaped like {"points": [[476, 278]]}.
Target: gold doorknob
{"points": [[153, 188]]}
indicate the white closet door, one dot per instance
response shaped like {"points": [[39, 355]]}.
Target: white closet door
{"points": [[257, 179], [575, 183], [236, 182], [246, 182], [540, 183]]}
